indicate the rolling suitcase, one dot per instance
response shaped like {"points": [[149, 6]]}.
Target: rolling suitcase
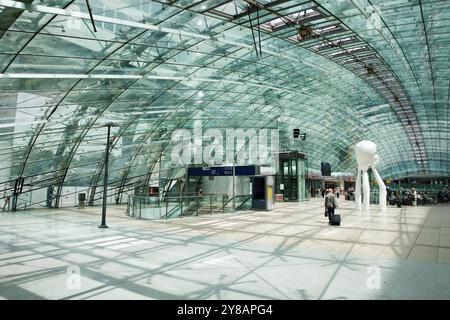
{"points": [[335, 220]]}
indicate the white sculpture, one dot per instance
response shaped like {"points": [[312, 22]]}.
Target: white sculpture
{"points": [[366, 156]]}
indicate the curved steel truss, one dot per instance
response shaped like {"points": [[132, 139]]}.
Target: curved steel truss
{"points": [[341, 71]]}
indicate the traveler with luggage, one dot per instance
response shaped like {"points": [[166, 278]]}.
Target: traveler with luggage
{"points": [[330, 205]]}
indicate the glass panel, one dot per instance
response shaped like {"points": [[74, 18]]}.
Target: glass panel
{"points": [[340, 71]]}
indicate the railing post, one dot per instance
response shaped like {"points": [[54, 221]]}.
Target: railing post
{"points": [[130, 205], [181, 206], [166, 208], [210, 204], [197, 205], [140, 206], [234, 192]]}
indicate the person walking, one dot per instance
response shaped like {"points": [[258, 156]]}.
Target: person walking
{"points": [[330, 204], [414, 197], [7, 201]]}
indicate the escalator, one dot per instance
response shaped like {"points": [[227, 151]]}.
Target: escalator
{"points": [[192, 209], [245, 203], [242, 203], [173, 213], [183, 208]]}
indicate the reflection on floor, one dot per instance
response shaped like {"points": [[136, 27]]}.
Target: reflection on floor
{"points": [[288, 253]]}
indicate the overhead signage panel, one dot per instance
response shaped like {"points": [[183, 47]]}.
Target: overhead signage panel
{"points": [[221, 171]]}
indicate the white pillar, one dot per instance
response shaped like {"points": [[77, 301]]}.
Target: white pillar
{"points": [[366, 191], [382, 188], [358, 190]]}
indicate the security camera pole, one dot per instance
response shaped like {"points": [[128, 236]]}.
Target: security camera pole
{"points": [[105, 179]]}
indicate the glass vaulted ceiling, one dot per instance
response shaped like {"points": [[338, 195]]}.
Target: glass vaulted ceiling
{"points": [[339, 70]]}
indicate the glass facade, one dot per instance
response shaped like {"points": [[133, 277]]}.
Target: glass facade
{"points": [[341, 71]]}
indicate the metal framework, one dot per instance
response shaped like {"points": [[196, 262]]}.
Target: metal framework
{"points": [[340, 70]]}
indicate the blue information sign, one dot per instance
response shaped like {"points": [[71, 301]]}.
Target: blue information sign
{"points": [[221, 171], [245, 170]]}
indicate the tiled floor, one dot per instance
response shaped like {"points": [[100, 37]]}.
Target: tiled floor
{"points": [[288, 253]]}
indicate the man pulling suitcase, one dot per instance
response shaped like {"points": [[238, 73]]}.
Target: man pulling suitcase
{"points": [[330, 205]]}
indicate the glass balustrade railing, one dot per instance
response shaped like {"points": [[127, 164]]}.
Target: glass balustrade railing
{"points": [[241, 202], [144, 207]]}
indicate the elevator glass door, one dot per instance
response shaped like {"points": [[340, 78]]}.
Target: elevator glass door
{"points": [[289, 179]]}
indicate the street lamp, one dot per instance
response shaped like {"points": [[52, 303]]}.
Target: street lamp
{"points": [[105, 179]]}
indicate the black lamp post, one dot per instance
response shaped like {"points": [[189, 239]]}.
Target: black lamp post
{"points": [[105, 178]]}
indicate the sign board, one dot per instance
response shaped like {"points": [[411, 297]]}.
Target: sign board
{"points": [[325, 168], [222, 171], [246, 170]]}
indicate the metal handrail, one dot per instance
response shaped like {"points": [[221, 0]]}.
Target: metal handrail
{"points": [[235, 197], [243, 202], [168, 214], [182, 196], [182, 204]]}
